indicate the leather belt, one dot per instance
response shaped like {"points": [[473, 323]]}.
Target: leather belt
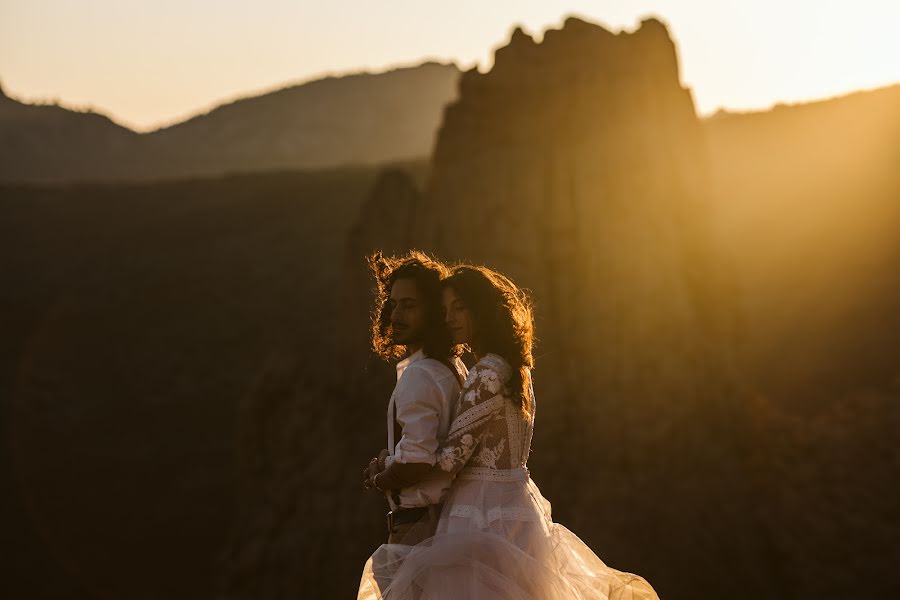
{"points": [[402, 516]]}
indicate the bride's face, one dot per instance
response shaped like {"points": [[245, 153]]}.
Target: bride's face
{"points": [[458, 317]]}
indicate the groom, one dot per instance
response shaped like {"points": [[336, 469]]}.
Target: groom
{"points": [[409, 324]]}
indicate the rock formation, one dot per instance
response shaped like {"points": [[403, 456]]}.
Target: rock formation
{"points": [[577, 166]]}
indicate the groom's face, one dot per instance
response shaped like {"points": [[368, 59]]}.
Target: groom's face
{"points": [[407, 313]]}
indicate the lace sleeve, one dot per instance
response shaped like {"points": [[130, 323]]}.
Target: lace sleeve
{"points": [[480, 401]]}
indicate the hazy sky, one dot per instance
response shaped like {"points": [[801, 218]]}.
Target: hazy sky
{"points": [[145, 63]]}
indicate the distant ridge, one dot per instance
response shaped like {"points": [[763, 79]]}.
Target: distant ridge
{"points": [[354, 118], [360, 118], [724, 113], [322, 78]]}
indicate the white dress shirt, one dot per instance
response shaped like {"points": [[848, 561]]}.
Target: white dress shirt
{"points": [[422, 402]]}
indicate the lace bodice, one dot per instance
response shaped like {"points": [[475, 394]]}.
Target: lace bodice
{"points": [[490, 436]]}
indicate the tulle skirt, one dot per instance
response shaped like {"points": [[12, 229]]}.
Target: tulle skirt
{"points": [[495, 539]]}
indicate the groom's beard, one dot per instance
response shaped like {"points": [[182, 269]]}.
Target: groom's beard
{"points": [[402, 335]]}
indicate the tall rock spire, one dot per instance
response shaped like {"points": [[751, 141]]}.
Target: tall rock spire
{"points": [[577, 166]]}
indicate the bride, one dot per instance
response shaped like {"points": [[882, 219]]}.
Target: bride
{"points": [[495, 538]]}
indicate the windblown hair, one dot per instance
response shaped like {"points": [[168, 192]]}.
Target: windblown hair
{"points": [[427, 274], [503, 321]]}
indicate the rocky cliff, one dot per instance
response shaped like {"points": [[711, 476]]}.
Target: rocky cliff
{"points": [[578, 167]]}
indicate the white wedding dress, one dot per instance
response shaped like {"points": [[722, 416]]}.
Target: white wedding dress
{"points": [[495, 538]]}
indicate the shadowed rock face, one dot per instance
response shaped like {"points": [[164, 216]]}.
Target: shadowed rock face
{"points": [[146, 331], [809, 215], [577, 166]]}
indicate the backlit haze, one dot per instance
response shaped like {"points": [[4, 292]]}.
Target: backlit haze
{"points": [[146, 64]]}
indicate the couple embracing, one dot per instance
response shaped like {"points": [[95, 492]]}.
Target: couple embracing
{"points": [[466, 520]]}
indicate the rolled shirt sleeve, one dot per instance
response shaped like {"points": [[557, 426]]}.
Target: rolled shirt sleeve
{"points": [[418, 402]]}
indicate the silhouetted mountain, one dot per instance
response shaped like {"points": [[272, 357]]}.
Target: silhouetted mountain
{"points": [[808, 201], [716, 381], [50, 143], [354, 119], [809, 210]]}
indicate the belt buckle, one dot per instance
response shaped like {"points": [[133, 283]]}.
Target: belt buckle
{"points": [[390, 521]]}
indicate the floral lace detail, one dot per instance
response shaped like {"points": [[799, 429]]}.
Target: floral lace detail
{"points": [[488, 456], [475, 416], [480, 381], [482, 403], [451, 455], [490, 380], [497, 364], [489, 431]]}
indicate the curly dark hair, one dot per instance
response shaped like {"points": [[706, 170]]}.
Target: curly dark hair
{"points": [[427, 274], [504, 321]]}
